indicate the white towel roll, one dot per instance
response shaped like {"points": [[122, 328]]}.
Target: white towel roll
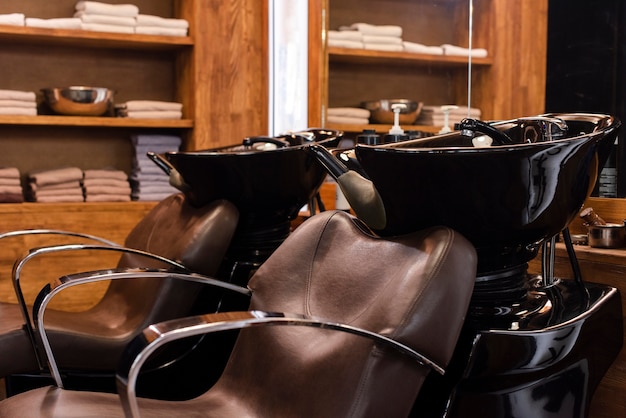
{"points": [[56, 23], [105, 19], [158, 30], [460, 51], [165, 22], [347, 120], [96, 7], [14, 19], [418, 48], [354, 112], [152, 105], [154, 114]]}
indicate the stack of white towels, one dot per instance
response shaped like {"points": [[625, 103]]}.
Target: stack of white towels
{"points": [[104, 17], [18, 102], [149, 182], [10, 185], [367, 36], [106, 185], [434, 115], [57, 185], [348, 115], [150, 109]]}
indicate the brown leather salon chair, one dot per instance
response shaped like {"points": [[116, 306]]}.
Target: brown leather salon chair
{"points": [[341, 323], [174, 235]]}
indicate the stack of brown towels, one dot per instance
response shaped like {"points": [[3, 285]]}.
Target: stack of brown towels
{"points": [[10, 187], [58, 185], [106, 186]]}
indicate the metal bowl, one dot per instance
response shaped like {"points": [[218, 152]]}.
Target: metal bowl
{"points": [[606, 236], [380, 110], [79, 100]]}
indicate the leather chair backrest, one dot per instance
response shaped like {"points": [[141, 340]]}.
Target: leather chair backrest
{"points": [[414, 288], [197, 237]]}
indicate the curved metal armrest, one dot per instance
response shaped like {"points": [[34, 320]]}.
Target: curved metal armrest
{"points": [[34, 252], [65, 282], [21, 232], [157, 335]]}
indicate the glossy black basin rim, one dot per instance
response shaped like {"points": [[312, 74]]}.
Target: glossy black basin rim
{"points": [[267, 185], [505, 199]]}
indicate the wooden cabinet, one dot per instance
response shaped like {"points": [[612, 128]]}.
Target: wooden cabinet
{"points": [[509, 83], [218, 72]]}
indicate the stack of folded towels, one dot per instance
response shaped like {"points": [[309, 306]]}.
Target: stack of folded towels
{"points": [[150, 109], [17, 102], [156, 25], [10, 186], [106, 186], [149, 182], [434, 115], [58, 185], [368, 36], [348, 115], [14, 19], [104, 17]]}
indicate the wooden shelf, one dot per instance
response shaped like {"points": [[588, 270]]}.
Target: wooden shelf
{"points": [[91, 39], [111, 122], [363, 56]]}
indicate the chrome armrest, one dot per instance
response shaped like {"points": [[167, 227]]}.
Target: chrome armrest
{"points": [[65, 282], [16, 284], [34, 252], [157, 335]]}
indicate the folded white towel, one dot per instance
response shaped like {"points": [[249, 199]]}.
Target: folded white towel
{"points": [[76, 191], [153, 114], [101, 27], [377, 39], [96, 7], [105, 174], [11, 173], [165, 22], [133, 105], [61, 199], [59, 175], [104, 182], [14, 19], [158, 30], [347, 120], [16, 189], [18, 111], [460, 51], [98, 189], [18, 103], [4, 182], [345, 35], [106, 19], [382, 30], [341, 43], [71, 184], [56, 23], [418, 48], [107, 198], [354, 112], [384, 47], [18, 95]]}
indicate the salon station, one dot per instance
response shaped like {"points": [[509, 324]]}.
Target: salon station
{"points": [[312, 208]]}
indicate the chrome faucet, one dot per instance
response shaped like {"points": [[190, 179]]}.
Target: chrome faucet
{"points": [[542, 128], [470, 126]]}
